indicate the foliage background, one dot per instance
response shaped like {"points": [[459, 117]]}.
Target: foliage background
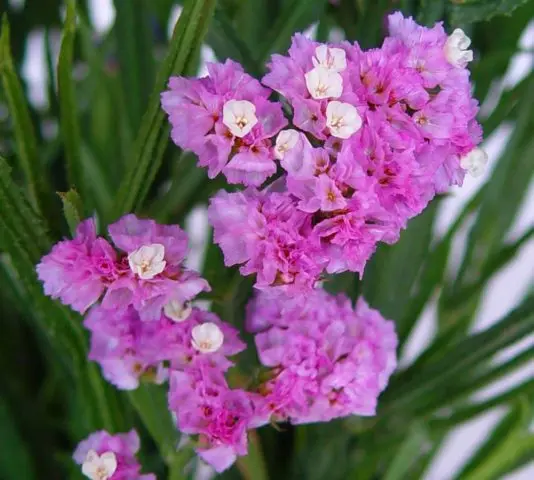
{"points": [[102, 132]]}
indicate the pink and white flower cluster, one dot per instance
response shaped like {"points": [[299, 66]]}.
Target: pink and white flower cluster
{"points": [[374, 136], [110, 457], [324, 358]]}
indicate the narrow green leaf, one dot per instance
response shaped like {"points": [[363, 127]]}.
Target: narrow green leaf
{"points": [[409, 451], [509, 428], [39, 190], [153, 134], [411, 388], [150, 401], [462, 12], [134, 51], [69, 122], [72, 208]]}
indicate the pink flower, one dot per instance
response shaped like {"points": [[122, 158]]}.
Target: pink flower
{"points": [[129, 349], [77, 271], [113, 455], [205, 406], [327, 359], [227, 121]]}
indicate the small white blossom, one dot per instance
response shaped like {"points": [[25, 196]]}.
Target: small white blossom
{"points": [[342, 119], [475, 162], [147, 261], [285, 141], [99, 467], [239, 116], [177, 311], [456, 49], [323, 83], [330, 58], [207, 337]]}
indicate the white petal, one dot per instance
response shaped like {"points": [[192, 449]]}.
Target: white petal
{"points": [[239, 116], [475, 162], [177, 311], [147, 261], [285, 141], [109, 461], [342, 119], [207, 337], [330, 58], [323, 83], [456, 49]]}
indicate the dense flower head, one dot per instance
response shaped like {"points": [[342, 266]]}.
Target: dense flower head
{"points": [[103, 456], [129, 349], [227, 120], [206, 407], [326, 359], [143, 269], [374, 135]]}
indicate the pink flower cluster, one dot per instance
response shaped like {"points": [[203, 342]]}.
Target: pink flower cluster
{"points": [[374, 136], [325, 359], [110, 457], [143, 271]]}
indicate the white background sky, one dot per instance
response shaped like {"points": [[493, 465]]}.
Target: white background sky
{"points": [[503, 293]]}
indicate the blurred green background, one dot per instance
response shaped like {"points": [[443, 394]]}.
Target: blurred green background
{"points": [[79, 105]]}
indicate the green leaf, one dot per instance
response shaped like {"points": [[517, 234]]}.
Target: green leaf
{"points": [[430, 11], [72, 208], [252, 466], [134, 51], [39, 190], [409, 451], [153, 134], [150, 401], [412, 387], [69, 122], [462, 11], [509, 428], [295, 15]]}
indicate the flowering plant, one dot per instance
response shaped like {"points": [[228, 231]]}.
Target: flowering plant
{"points": [[236, 275]]}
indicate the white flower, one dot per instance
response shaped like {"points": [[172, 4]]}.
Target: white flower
{"points": [[239, 116], [330, 58], [323, 83], [177, 311], [342, 119], [207, 337], [285, 141], [99, 467], [147, 261], [456, 49], [475, 162]]}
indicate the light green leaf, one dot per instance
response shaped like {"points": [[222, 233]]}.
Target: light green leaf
{"points": [[153, 134], [72, 208]]}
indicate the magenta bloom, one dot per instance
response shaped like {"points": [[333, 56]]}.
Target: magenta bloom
{"points": [[128, 348], [327, 359], [113, 455], [77, 271], [205, 406], [226, 119], [269, 237], [145, 271]]}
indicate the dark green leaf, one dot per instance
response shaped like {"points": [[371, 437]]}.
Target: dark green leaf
{"points": [[153, 134], [462, 12], [70, 127]]}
